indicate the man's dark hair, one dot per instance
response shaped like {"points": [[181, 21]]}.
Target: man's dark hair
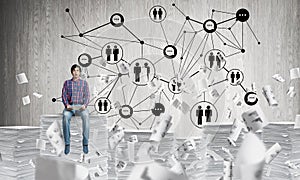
{"points": [[75, 66]]}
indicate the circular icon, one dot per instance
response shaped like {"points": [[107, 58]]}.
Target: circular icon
{"points": [[242, 15], [157, 13], [235, 77], [176, 85], [215, 59], [117, 20], [210, 26], [126, 111], [102, 105], [141, 71], [158, 109], [112, 52], [203, 113], [250, 98], [84, 60], [170, 51]]}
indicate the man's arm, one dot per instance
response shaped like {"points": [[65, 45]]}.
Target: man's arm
{"points": [[64, 95]]}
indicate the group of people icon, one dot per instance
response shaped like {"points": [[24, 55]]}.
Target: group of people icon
{"points": [[218, 58], [235, 77], [115, 51], [103, 106], [175, 85], [158, 12], [138, 71], [200, 113]]}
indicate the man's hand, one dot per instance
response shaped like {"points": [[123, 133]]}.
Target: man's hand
{"points": [[69, 107], [82, 107]]}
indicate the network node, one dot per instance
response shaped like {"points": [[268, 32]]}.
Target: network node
{"points": [[203, 113], [187, 18], [158, 109], [142, 42], [258, 42], [215, 59], [53, 99], [213, 10], [173, 4], [157, 13], [119, 74], [102, 105], [126, 111], [141, 71], [210, 26], [235, 77], [170, 51], [112, 52], [242, 15], [67, 10], [175, 85], [62, 36], [250, 98], [225, 44], [229, 28], [242, 50], [117, 20], [84, 60], [80, 35]]}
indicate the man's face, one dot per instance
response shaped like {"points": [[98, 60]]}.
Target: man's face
{"points": [[76, 73]]}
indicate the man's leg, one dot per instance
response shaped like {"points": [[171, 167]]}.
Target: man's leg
{"points": [[85, 129], [67, 115]]}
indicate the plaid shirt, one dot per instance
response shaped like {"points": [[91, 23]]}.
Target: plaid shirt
{"points": [[75, 92]]}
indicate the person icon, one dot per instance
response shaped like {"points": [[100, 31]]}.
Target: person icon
{"points": [[237, 76], [160, 12], [108, 53], [199, 114], [178, 85], [232, 76], [154, 13], [105, 104], [100, 105], [116, 52], [174, 85], [148, 70], [211, 59], [208, 114], [137, 72], [218, 59]]}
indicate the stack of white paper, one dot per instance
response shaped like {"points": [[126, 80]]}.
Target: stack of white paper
{"points": [[294, 162], [219, 148], [96, 159], [278, 133], [18, 151], [136, 148]]}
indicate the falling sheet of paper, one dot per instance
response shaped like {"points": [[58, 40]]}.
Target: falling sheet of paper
{"points": [[250, 158], [50, 168], [55, 137], [278, 78], [294, 73], [291, 92], [269, 95], [37, 95], [255, 119], [272, 153], [116, 137], [26, 100], [21, 78], [161, 127]]}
